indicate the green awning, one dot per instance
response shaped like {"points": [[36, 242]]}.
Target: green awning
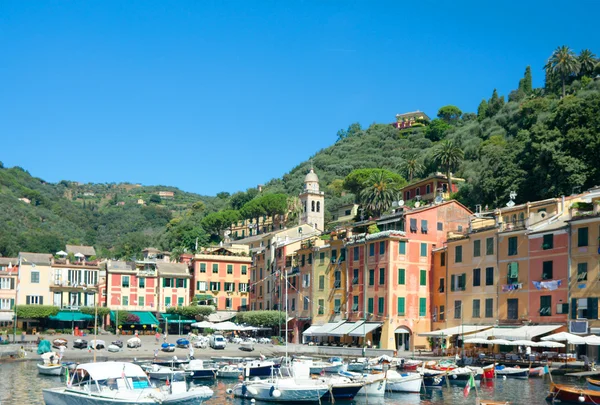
{"points": [[204, 297], [70, 316], [146, 318], [174, 318]]}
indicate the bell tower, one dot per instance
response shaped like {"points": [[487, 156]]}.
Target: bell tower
{"points": [[313, 202]]}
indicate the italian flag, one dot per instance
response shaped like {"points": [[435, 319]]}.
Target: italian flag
{"points": [[470, 384]]}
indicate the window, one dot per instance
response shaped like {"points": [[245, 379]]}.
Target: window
{"points": [[442, 314], [126, 300], [181, 282], [423, 249], [423, 226], [442, 286], [216, 286], [321, 307], [7, 303], [215, 267], [477, 248], [440, 226], [125, 282], [401, 305], [372, 277], [305, 303], [244, 269], [582, 237], [422, 306], [423, 277], [293, 304], [458, 282], [355, 303], [489, 246], [201, 285], [202, 267], [402, 247], [513, 246], [34, 300], [337, 279], [260, 293], [547, 270], [321, 257], [305, 280], [428, 189], [303, 260], [476, 308], [458, 254], [229, 287], [582, 307], [513, 308], [381, 276], [7, 283], [372, 249], [489, 276], [337, 304], [321, 282], [142, 282], [476, 277], [370, 305], [489, 307], [546, 305], [260, 273], [381, 305], [230, 269], [457, 309], [35, 277], [180, 301], [413, 225], [243, 287], [167, 282], [513, 273], [309, 258], [443, 259], [401, 276], [582, 271], [548, 242], [355, 277], [355, 253], [228, 302]]}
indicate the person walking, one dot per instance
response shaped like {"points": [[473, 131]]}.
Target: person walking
{"points": [[61, 353], [191, 355], [157, 336]]}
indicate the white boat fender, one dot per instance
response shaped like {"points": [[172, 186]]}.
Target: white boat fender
{"points": [[504, 377], [581, 398], [252, 400], [276, 393], [229, 391]]}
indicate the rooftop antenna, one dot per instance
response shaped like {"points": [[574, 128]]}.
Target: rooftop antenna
{"points": [[478, 210]]}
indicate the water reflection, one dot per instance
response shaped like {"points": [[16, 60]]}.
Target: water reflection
{"points": [[21, 384]]}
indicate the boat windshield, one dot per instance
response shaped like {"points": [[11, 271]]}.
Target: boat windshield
{"points": [[130, 383]]}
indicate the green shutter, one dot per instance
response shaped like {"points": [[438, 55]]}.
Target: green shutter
{"points": [[12, 303], [423, 278], [401, 276], [582, 237], [477, 248], [422, 306], [452, 282], [370, 306], [423, 249], [402, 247], [513, 270], [381, 305], [401, 304]]}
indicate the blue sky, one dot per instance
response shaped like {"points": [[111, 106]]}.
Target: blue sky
{"points": [[223, 95]]}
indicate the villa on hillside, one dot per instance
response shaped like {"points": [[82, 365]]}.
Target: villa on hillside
{"points": [[407, 120]]}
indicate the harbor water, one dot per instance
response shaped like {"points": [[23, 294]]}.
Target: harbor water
{"points": [[21, 384]]}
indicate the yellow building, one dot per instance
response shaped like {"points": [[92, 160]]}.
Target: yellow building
{"points": [[35, 275], [439, 275], [584, 234]]}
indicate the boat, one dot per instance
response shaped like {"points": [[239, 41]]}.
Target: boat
{"points": [[197, 369], [592, 384], [174, 362], [80, 344], [461, 375], [342, 389], [333, 365], [57, 343], [358, 365], [112, 383], [408, 365], [229, 371], [403, 382], [537, 371], [167, 347], [247, 346], [481, 401], [258, 368], [134, 343], [97, 344], [281, 389], [572, 395], [183, 343], [512, 372], [114, 348], [489, 371], [433, 378], [164, 373], [373, 384], [50, 364]]}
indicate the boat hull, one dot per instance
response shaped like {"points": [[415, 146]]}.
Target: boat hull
{"points": [[49, 370], [334, 368], [410, 383], [463, 378], [203, 374], [434, 380], [265, 392], [62, 396], [342, 391], [375, 388], [571, 395], [513, 373]]}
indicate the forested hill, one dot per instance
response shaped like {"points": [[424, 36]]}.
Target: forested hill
{"points": [[539, 142]]}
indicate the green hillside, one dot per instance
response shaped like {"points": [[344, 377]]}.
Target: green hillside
{"points": [[539, 142]]}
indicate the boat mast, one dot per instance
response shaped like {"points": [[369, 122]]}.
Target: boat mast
{"points": [[286, 315], [96, 325]]}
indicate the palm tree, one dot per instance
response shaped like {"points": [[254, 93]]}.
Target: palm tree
{"points": [[587, 62], [413, 167], [448, 156], [563, 62], [379, 193]]}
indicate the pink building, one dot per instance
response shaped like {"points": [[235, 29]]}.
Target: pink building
{"points": [[8, 292], [548, 274]]}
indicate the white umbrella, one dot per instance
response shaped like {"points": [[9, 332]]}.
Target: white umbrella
{"points": [[478, 341], [550, 344], [62, 253], [565, 337], [523, 343], [226, 326], [203, 324], [79, 255], [500, 342], [592, 340]]}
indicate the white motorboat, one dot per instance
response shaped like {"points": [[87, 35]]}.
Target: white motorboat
{"points": [[374, 385], [281, 389], [197, 369], [334, 365], [229, 371], [462, 375], [50, 369], [247, 346], [164, 373], [512, 372], [358, 365], [403, 382], [113, 383]]}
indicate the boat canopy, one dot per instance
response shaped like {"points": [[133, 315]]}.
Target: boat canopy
{"points": [[364, 329], [345, 328], [456, 330], [112, 369]]}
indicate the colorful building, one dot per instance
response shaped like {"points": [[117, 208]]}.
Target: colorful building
{"points": [[409, 119], [9, 270], [35, 275], [427, 189], [221, 276]]}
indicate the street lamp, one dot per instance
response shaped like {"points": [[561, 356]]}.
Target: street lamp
{"points": [[117, 318]]}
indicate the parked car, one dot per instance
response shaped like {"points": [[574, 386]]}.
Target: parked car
{"points": [[217, 342]]}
